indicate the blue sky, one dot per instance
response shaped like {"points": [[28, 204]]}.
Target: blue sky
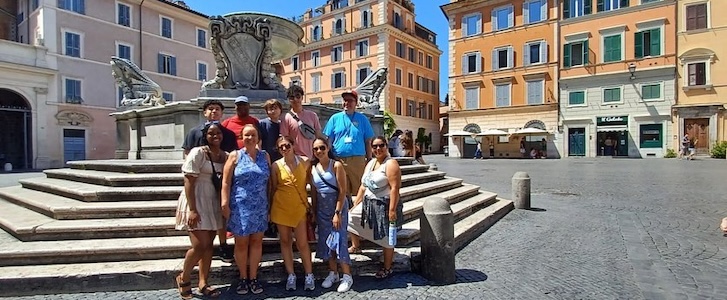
{"points": [[427, 14]]}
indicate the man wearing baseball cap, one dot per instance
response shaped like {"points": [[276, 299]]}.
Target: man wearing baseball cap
{"points": [[242, 118]]}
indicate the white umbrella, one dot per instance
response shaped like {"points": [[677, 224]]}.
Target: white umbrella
{"points": [[459, 133], [493, 132], [531, 131]]}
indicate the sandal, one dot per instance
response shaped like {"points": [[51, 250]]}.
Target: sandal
{"points": [[242, 287], [184, 288], [255, 287], [383, 273], [354, 250], [208, 291]]}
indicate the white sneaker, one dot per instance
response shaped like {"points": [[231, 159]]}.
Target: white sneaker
{"points": [[330, 280], [346, 283], [290, 284], [310, 283]]}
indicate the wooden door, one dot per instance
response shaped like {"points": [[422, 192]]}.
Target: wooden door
{"points": [[698, 129]]}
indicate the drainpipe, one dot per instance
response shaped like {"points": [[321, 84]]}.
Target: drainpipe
{"points": [[141, 40], [556, 84], [677, 25]]}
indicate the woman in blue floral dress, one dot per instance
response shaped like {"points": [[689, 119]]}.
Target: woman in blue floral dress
{"points": [[245, 194]]}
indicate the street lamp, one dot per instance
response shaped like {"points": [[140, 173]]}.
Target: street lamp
{"points": [[632, 69]]}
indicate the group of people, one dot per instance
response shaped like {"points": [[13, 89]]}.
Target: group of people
{"points": [[688, 147], [402, 144], [244, 176]]}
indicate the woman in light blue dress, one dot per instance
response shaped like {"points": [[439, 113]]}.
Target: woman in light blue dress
{"points": [[245, 195], [331, 208]]}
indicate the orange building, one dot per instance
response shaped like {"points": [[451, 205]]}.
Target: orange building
{"points": [[347, 40], [503, 75], [617, 82]]}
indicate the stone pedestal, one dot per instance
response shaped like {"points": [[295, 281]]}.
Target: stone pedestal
{"points": [[521, 190], [437, 241]]}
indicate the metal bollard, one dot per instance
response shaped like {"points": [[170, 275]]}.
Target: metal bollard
{"points": [[437, 241], [433, 167], [521, 190]]}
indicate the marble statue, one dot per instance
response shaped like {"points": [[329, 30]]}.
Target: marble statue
{"points": [[370, 89], [138, 89]]}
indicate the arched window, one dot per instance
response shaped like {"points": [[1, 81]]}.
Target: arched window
{"points": [[397, 20], [364, 19], [316, 33], [339, 26]]}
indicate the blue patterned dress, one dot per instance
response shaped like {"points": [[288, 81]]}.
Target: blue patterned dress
{"points": [[326, 207], [249, 195]]}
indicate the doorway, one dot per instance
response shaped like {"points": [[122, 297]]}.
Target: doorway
{"points": [[15, 138], [74, 145], [613, 143], [698, 130], [576, 142], [469, 147]]}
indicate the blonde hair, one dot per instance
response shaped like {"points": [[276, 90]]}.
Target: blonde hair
{"points": [[272, 103]]}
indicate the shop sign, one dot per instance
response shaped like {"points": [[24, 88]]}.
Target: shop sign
{"points": [[611, 121]]}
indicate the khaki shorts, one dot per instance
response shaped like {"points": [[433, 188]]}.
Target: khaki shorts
{"points": [[354, 167]]}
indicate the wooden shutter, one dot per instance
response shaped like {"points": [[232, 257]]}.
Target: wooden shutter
{"points": [[639, 44], [511, 17], [701, 16], [526, 55], [479, 24], [333, 81], [585, 52], [624, 3], [655, 42], [544, 10], [493, 19], [566, 9], [543, 52], [173, 65], [464, 26], [599, 5], [587, 7], [566, 55], [465, 64], [510, 57], [478, 67], [160, 63], [526, 12], [494, 61]]}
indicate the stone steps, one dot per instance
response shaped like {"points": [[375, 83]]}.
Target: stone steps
{"points": [[117, 179], [128, 166], [91, 192]]}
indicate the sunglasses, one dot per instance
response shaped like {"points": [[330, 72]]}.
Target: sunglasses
{"points": [[378, 146], [321, 148], [284, 146]]}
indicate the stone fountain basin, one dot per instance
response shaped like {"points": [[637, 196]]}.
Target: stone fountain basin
{"points": [[286, 36]]}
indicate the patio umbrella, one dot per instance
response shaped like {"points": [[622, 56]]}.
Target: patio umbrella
{"points": [[531, 131], [493, 132]]}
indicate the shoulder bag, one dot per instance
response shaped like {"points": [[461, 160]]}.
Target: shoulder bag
{"points": [[335, 188], [216, 176]]}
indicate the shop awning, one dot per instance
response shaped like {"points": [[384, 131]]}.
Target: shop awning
{"points": [[492, 132], [612, 128], [459, 133], [531, 131]]}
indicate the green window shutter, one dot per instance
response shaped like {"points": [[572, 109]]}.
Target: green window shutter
{"points": [[585, 52], [587, 7], [599, 6], [566, 9], [566, 56], [655, 42], [639, 44]]}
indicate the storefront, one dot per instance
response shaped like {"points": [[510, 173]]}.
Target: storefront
{"points": [[612, 136]]}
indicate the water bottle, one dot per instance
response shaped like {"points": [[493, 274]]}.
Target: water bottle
{"points": [[392, 233]]}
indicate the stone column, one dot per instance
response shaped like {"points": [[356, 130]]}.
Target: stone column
{"points": [[437, 241], [521, 190]]}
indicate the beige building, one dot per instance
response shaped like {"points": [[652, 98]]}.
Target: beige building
{"points": [[346, 40], [702, 73], [56, 88]]}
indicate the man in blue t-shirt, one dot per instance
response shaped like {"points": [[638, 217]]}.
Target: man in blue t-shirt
{"points": [[350, 134]]}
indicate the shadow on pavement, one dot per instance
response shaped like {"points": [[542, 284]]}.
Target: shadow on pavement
{"points": [[469, 276], [536, 209]]}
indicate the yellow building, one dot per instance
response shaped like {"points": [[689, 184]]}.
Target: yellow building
{"points": [[502, 75], [702, 81], [347, 40]]}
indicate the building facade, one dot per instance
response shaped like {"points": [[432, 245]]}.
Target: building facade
{"points": [[702, 75], [617, 77], [346, 40], [503, 75]]}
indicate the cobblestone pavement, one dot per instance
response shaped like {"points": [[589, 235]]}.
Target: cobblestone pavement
{"points": [[601, 229]]}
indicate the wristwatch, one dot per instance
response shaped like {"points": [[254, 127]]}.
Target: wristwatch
{"points": [[338, 212]]}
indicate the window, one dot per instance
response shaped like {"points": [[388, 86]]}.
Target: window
{"points": [[398, 105], [337, 54], [398, 76], [575, 54], [502, 58], [576, 8], [412, 55], [400, 49], [338, 80], [611, 95], [502, 95], [472, 25], [169, 97], [535, 91], [397, 20], [167, 64], [430, 110], [410, 108], [316, 82], [502, 18], [367, 18], [78, 6], [316, 34], [430, 62], [648, 1], [472, 63], [651, 91], [472, 97], [73, 91], [34, 4], [535, 53], [535, 11], [697, 74], [316, 100], [166, 27], [612, 48], [123, 15], [647, 43], [201, 71], [361, 74], [338, 27], [650, 136], [315, 57], [411, 81], [123, 51], [577, 98], [697, 16], [362, 48], [72, 44], [201, 38], [606, 5], [294, 61], [421, 58]]}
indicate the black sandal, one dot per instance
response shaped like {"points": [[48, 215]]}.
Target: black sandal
{"points": [[184, 288], [383, 273], [208, 291], [255, 287]]}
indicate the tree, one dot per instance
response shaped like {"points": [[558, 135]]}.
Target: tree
{"points": [[423, 139], [446, 100], [389, 124]]}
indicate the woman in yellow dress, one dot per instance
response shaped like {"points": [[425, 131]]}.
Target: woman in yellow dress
{"points": [[288, 210]]}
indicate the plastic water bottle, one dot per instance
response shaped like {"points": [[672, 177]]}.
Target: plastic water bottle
{"points": [[392, 233]]}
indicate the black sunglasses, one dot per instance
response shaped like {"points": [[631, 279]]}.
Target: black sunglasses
{"points": [[322, 148], [285, 146], [378, 146]]}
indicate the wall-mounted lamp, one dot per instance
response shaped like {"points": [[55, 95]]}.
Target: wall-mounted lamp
{"points": [[632, 69]]}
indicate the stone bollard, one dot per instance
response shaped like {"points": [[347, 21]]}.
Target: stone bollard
{"points": [[521, 190], [437, 241], [433, 167]]}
